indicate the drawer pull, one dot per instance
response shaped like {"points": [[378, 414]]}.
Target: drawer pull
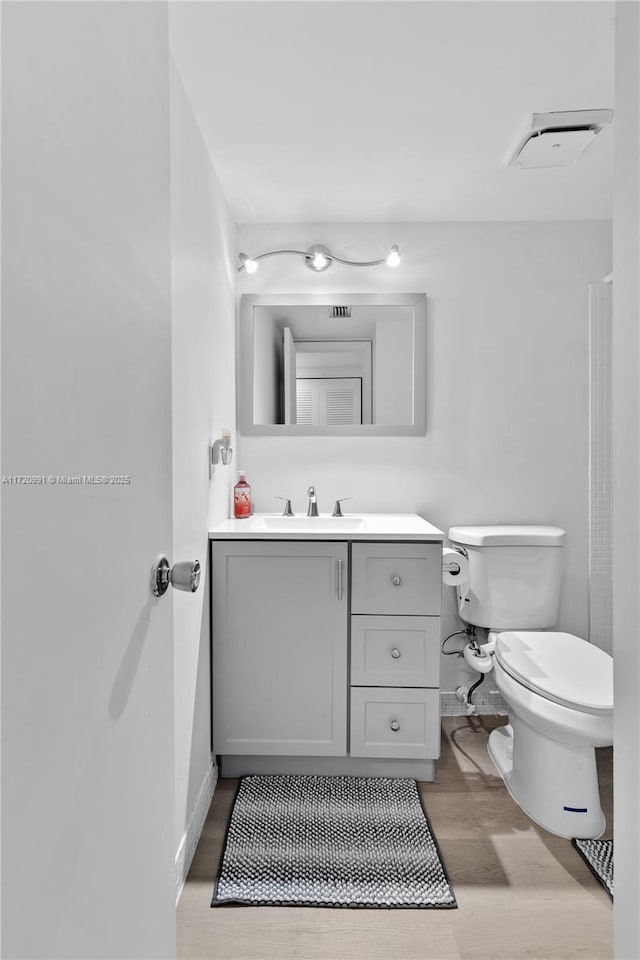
{"points": [[395, 653], [396, 580], [395, 726]]}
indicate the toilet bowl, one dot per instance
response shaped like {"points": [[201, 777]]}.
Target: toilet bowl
{"points": [[559, 693], [558, 687]]}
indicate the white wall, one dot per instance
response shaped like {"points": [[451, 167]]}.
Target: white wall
{"points": [[626, 474], [507, 381], [87, 694], [203, 359]]}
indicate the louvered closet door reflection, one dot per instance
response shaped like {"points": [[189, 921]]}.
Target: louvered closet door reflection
{"points": [[330, 400]]}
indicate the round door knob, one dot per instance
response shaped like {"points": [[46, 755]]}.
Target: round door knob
{"points": [[395, 653], [395, 726], [184, 575], [396, 580]]}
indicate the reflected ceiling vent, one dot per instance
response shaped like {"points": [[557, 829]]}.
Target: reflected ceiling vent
{"points": [[558, 139], [335, 312]]}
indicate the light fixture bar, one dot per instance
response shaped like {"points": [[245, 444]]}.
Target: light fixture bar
{"points": [[360, 263], [318, 258]]}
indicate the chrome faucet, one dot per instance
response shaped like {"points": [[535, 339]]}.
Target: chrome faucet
{"points": [[312, 509]]}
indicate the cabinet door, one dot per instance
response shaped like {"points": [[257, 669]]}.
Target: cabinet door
{"points": [[279, 616]]}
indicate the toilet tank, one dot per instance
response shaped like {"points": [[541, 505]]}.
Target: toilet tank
{"points": [[515, 574]]}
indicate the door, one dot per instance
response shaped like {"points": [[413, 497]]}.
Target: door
{"points": [[329, 400], [289, 360], [87, 695], [280, 648]]}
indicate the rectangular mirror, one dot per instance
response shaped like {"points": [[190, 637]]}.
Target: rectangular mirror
{"points": [[332, 365]]}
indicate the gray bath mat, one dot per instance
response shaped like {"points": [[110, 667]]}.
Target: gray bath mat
{"points": [[330, 842], [598, 855]]}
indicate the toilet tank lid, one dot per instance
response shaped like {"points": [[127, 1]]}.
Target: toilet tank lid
{"points": [[508, 536]]}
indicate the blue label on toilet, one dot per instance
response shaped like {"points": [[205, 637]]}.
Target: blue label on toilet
{"points": [[576, 809]]}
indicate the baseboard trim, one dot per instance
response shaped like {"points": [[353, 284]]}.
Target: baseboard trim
{"points": [[189, 841], [487, 703], [240, 766]]}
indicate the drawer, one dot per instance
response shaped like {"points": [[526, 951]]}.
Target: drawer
{"points": [[393, 722], [401, 578], [395, 651]]}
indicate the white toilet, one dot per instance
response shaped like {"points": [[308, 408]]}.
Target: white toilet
{"points": [[558, 687]]}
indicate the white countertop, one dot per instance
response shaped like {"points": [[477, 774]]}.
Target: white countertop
{"points": [[363, 526]]}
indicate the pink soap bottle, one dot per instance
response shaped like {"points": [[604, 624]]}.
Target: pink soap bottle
{"points": [[241, 497]]}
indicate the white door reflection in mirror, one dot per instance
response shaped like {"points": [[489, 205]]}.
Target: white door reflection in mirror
{"points": [[333, 380], [329, 400], [289, 375]]}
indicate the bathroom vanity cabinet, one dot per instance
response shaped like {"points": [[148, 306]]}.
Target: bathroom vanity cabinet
{"points": [[326, 656]]}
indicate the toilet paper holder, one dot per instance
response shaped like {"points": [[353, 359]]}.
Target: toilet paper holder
{"points": [[452, 566]]}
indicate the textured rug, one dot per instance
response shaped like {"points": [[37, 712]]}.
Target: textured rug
{"points": [[598, 855], [330, 842]]}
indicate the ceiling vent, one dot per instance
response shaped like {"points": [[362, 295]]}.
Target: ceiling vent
{"points": [[558, 139], [335, 312]]}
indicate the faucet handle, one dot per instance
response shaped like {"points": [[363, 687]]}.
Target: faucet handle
{"points": [[337, 510], [287, 512]]}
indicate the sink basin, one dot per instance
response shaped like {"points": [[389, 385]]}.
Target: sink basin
{"points": [[366, 526], [293, 524]]}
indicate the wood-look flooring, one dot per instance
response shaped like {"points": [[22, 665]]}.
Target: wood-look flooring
{"points": [[521, 892]]}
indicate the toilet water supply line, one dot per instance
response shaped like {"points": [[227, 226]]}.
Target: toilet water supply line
{"points": [[479, 658], [455, 573]]}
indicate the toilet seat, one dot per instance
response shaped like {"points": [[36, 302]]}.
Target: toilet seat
{"points": [[560, 667]]}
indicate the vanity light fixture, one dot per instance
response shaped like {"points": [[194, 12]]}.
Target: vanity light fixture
{"points": [[318, 258]]}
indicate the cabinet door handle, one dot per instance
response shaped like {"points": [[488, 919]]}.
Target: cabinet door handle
{"points": [[340, 581], [396, 580], [395, 726], [395, 653]]}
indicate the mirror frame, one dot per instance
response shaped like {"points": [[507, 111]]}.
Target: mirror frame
{"points": [[245, 357]]}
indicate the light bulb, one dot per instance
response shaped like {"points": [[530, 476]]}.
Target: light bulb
{"points": [[394, 257], [246, 263], [318, 258]]}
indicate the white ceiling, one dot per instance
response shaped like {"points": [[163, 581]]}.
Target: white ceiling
{"points": [[390, 111]]}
